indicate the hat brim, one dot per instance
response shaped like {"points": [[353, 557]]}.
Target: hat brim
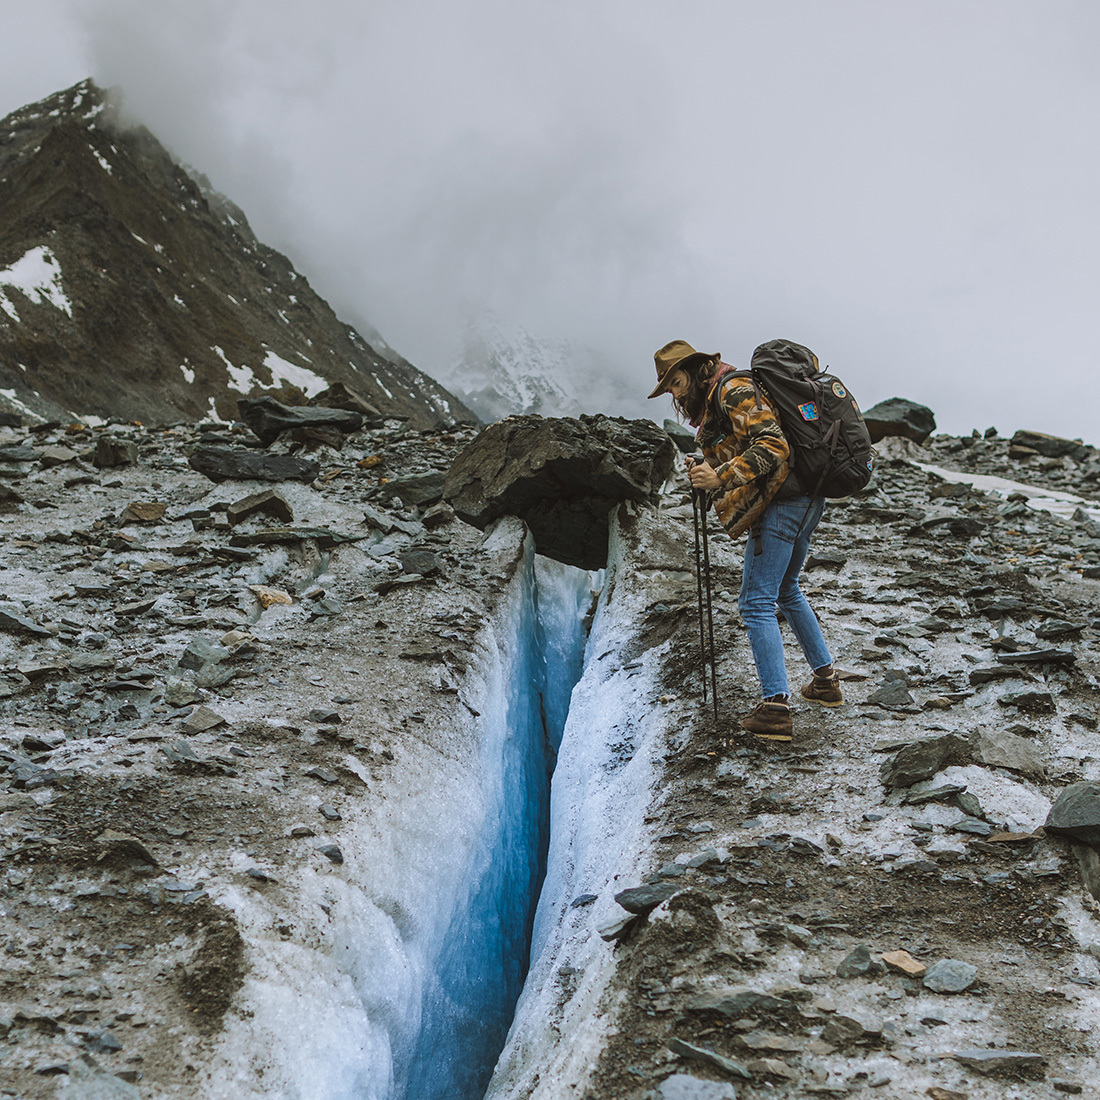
{"points": [[687, 361]]}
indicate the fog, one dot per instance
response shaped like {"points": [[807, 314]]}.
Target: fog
{"points": [[906, 188]]}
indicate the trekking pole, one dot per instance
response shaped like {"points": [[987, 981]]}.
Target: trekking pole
{"points": [[699, 588], [702, 578]]}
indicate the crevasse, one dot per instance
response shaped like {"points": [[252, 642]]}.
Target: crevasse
{"points": [[471, 989]]}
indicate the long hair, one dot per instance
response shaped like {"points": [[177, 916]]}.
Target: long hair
{"points": [[693, 404]]}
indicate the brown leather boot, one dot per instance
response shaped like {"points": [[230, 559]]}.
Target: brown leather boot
{"points": [[824, 690], [770, 721]]}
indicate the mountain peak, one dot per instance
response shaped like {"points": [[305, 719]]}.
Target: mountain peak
{"points": [[129, 287]]}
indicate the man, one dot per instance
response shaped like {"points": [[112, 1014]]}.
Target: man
{"points": [[753, 488]]}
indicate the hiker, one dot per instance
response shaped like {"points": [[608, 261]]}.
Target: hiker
{"points": [[747, 477]]}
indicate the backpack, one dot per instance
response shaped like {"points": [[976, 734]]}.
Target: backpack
{"points": [[831, 452]]}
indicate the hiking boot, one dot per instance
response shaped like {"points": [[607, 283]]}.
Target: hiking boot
{"points": [[771, 721], [824, 690]]}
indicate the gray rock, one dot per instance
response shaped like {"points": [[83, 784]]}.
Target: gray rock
{"points": [[1000, 749], [56, 456], [423, 562], [213, 675], [439, 515], [268, 503], [329, 812], [180, 693], [859, 963], [842, 1031], [268, 418], [202, 719], [418, 489], [13, 623], [88, 1081], [339, 396], [923, 758], [1038, 657], [950, 976], [708, 1057], [200, 652], [1050, 446], [20, 453], [894, 693], [1076, 813], [616, 928], [898, 416], [561, 477], [1033, 702], [331, 852], [999, 1061], [644, 899], [223, 463], [684, 438], [387, 523], [110, 451]]}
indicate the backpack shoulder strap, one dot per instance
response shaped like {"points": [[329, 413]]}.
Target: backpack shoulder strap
{"points": [[725, 373]]}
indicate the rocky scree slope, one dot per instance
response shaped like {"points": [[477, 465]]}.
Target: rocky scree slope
{"points": [[219, 706], [129, 288]]}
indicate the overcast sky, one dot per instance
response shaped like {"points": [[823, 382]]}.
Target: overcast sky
{"points": [[907, 187]]}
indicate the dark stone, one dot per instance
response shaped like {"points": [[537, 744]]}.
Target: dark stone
{"points": [[268, 503], [111, 451], [222, 463], [858, 963], [439, 515], [644, 899], [1002, 605], [1038, 657], [826, 559], [894, 693], [330, 813], [737, 1002], [1034, 702], [1058, 628], [10, 420], [9, 497], [923, 758], [19, 453], [269, 536], [423, 562], [988, 674], [683, 437], [17, 624], [331, 852], [200, 652], [269, 418], [582, 899], [418, 489], [1050, 446], [900, 417], [709, 1058], [1076, 813], [561, 477], [325, 717]]}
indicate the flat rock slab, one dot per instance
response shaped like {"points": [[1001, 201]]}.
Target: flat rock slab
{"points": [[561, 477], [999, 1061], [644, 899], [1000, 749], [708, 1058], [1076, 813], [226, 463], [267, 503], [737, 1002], [901, 962], [269, 418]]}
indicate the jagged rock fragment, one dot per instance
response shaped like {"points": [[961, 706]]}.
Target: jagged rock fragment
{"points": [[224, 463], [1000, 749], [858, 963], [901, 962], [268, 503], [1076, 813], [898, 416], [921, 759], [110, 451], [13, 623], [735, 1002], [202, 719], [268, 418], [144, 511], [561, 477], [683, 437], [418, 489], [56, 456], [708, 1057], [1031, 701], [644, 899], [1050, 446], [269, 596], [111, 843], [339, 396]]}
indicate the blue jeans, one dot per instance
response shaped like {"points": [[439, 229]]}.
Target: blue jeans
{"points": [[770, 579]]}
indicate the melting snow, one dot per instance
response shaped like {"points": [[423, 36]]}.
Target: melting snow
{"points": [[282, 371], [38, 276], [241, 379], [1048, 500], [187, 373], [102, 160]]}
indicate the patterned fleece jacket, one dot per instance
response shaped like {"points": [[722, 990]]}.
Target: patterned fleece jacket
{"points": [[748, 451]]}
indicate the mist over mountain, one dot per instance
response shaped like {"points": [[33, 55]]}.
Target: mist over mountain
{"points": [[130, 288]]}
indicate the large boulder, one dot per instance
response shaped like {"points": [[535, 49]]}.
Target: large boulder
{"points": [[1051, 446], [900, 417], [561, 477], [224, 463], [1076, 814], [269, 418]]}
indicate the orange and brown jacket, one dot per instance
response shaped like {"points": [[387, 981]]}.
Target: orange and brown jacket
{"points": [[745, 445]]}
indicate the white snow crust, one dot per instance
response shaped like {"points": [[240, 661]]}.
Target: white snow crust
{"points": [[36, 274]]}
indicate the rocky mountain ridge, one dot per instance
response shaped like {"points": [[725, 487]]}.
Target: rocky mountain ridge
{"points": [[129, 288]]}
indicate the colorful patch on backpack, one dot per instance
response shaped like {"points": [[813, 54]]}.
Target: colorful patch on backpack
{"points": [[809, 410], [839, 390], [871, 464]]}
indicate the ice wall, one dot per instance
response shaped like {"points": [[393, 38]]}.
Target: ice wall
{"points": [[472, 990]]}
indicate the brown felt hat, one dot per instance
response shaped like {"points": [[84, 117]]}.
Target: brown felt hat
{"points": [[673, 356]]}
